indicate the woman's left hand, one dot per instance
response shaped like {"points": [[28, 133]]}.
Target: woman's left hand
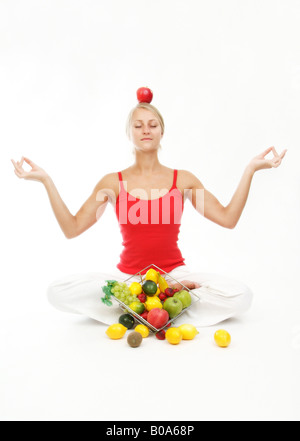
{"points": [[260, 163]]}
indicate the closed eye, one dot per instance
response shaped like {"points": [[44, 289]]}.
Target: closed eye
{"points": [[139, 127]]}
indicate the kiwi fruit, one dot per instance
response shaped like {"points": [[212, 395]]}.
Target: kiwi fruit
{"points": [[134, 339]]}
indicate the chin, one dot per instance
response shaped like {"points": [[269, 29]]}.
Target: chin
{"points": [[147, 147]]}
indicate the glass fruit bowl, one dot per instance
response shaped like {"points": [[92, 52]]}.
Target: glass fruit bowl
{"points": [[187, 299]]}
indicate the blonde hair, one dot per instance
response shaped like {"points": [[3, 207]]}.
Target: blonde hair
{"points": [[149, 107]]}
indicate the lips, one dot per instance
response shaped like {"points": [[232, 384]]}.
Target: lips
{"points": [[146, 139]]}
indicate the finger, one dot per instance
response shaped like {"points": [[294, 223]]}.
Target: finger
{"points": [[15, 165], [267, 151], [18, 174], [18, 167], [282, 155], [274, 151], [31, 163], [276, 163], [263, 154]]}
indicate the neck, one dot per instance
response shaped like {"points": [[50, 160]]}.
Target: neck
{"points": [[146, 163]]}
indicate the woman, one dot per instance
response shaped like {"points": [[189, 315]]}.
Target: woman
{"points": [[148, 199]]}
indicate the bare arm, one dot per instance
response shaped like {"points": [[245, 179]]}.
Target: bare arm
{"points": [[204, 201], [209, 206], [66, 220], [72, 226]]}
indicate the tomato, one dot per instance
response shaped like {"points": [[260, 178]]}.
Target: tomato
{"points": [[144, 95]]}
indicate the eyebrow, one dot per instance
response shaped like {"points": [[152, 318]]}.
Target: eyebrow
{"points": [[139, 120]]}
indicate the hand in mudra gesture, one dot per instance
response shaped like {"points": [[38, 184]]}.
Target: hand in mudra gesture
{"points": [[35, 174], [260, 162]]}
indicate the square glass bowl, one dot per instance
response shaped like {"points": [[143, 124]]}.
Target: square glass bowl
{"points": [[169, 279]]}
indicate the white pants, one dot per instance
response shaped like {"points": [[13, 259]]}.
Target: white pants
{"points": [[220, 297]]}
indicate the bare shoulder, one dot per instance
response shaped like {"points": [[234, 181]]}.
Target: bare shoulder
{"points": [[108, 185], [188, 180], [108, 181]]}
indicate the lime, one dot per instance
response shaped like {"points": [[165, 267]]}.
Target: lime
{"points": [[137, 307], [126, 320], [150, 288]]}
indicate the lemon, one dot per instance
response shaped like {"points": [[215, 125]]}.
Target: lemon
{"points": [[152, 275], [189, 332], [174, 336], [153, 302], [136, 288], [137, 307], [143, 330], [222, 338], [116, 331]]}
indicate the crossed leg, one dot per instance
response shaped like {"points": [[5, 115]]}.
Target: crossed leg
{"points": [[220, 297]]}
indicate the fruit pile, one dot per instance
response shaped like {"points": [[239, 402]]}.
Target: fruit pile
{"points": [[152, 299], [173, 335]]}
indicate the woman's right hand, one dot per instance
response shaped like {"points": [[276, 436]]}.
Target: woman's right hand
{"points": [[35, 174]]}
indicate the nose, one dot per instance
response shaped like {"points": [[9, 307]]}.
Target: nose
{"points": [[146, 130]]}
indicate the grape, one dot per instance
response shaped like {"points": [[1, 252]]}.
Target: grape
{"points": [[122, 292]]}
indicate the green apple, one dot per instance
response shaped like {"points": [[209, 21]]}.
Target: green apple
{"points": [[173, 306], [185, 298]]}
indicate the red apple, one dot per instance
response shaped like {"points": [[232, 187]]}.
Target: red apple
{"points": [[158, 317], [144, 95]]}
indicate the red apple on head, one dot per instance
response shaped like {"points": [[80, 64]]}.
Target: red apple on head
{"points": [[144, 95], [158, 317]]}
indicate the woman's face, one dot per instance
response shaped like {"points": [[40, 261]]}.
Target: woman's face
{"points": [[146, 131]]}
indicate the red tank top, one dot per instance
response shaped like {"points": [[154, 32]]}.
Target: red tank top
{"points": [[150, 230]]}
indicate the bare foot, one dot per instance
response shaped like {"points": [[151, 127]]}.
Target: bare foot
{"points": [[188, 283]]}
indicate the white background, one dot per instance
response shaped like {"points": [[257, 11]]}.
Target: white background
{"points": [[226, 77]]}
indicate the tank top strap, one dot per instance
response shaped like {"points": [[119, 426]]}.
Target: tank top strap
{"points": [[175, 178], [121, 181]]}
